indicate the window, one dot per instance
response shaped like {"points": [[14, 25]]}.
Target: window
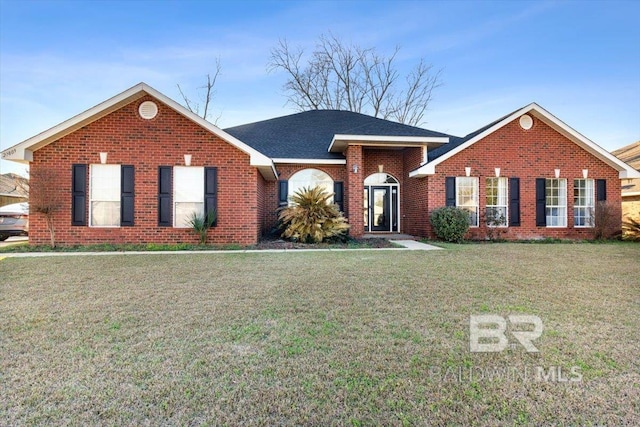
{"points": [[105, 195], [467, 197], [497, 202], [309, 178], [556, 202], [380, 178], [188, 194], [583, 202]]}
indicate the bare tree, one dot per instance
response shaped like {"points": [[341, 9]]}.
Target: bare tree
{"points": [[207, 97], [42, 199], [342, 76]]}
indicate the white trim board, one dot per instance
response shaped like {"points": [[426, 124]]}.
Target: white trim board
{"points": [[341, 141], [625, 171], [23, 152], [310, 161]]}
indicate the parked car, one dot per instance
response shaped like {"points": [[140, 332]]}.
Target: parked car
{"points": [[14, 220]]}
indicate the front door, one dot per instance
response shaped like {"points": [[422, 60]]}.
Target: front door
{"points": [[380, 209], [381, 203]]}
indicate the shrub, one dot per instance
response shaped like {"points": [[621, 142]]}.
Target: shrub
{"points": [[496, 222], [450, 224], [200, 225], [311, 218], [604, 218]]}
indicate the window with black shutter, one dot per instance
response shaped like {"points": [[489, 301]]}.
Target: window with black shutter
{"points": [[79, 195], [164, 196], [541, 202], [601, 190], [450, 190], [211, 193], [127, 197], [338, 196], [283, 193], [514, 202]]}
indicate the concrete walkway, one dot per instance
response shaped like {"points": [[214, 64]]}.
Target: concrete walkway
{"points": [[413, 245], [408, 245]]}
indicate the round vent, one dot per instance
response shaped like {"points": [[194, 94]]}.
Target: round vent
{"points": [[526, 122], [148, 110]]}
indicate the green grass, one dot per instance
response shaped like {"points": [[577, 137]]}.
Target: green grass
{"points": [[324, 338], [158, 247]]}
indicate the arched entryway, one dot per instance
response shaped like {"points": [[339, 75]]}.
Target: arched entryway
{"points": [[381, 203]]}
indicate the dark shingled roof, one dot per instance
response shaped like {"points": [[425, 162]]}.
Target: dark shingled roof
{"points": [[307, 135]]}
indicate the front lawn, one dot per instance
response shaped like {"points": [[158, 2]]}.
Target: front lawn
{"points": [[321, 338]]}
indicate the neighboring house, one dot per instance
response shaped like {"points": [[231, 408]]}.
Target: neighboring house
{"points": [[630, 187], [13, 189], [133, 168]]}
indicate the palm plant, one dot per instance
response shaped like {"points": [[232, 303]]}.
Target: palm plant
{"points": [[631, 229], [311, 218], [200, 224]]}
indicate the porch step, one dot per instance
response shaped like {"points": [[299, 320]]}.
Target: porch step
{"points": [[389, 236]]}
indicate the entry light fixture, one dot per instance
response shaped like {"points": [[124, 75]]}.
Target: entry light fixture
{"points": [[103, 158], [355, 168], [187, 159]]}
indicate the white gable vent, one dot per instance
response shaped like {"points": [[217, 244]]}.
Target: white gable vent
{"points": [[148, 110], [526, 122]]}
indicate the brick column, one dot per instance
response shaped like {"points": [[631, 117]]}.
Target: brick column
{"points": [[355, 188]]}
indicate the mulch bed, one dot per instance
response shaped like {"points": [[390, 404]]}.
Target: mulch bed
{"points": [[351, 244]]}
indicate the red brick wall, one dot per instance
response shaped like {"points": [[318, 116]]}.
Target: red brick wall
{"points": [[414, 196], [354, 187], [528, 155], [336, 172], [262, 205], [147, 144]]}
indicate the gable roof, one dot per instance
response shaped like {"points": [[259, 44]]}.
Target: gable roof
{"points": [[630, 154], [23, 152], [456, 145], [14, 185], [310, 134]]}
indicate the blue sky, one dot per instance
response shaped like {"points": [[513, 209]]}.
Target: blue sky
{"points": [[579, 60]]}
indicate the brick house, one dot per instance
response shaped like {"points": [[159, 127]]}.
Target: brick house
{"points": [[133, 168]]}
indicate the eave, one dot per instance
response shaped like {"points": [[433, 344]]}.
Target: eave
{"points": [[624, 170], [23, 152], [339, 143]]}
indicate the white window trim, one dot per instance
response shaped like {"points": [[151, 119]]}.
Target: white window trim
{"points": [[91, 199], [566, 208], [506, 198], [291, 191], [476, 197], [593, 200], [175, 201]]}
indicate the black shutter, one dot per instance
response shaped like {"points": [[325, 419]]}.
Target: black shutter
{"points": [[79, 195], [211, 193], [338, 197], [450, 190], [283, 193], [165, 185], [601, 190], [127, 195], [541, 202], [514, 202]]}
